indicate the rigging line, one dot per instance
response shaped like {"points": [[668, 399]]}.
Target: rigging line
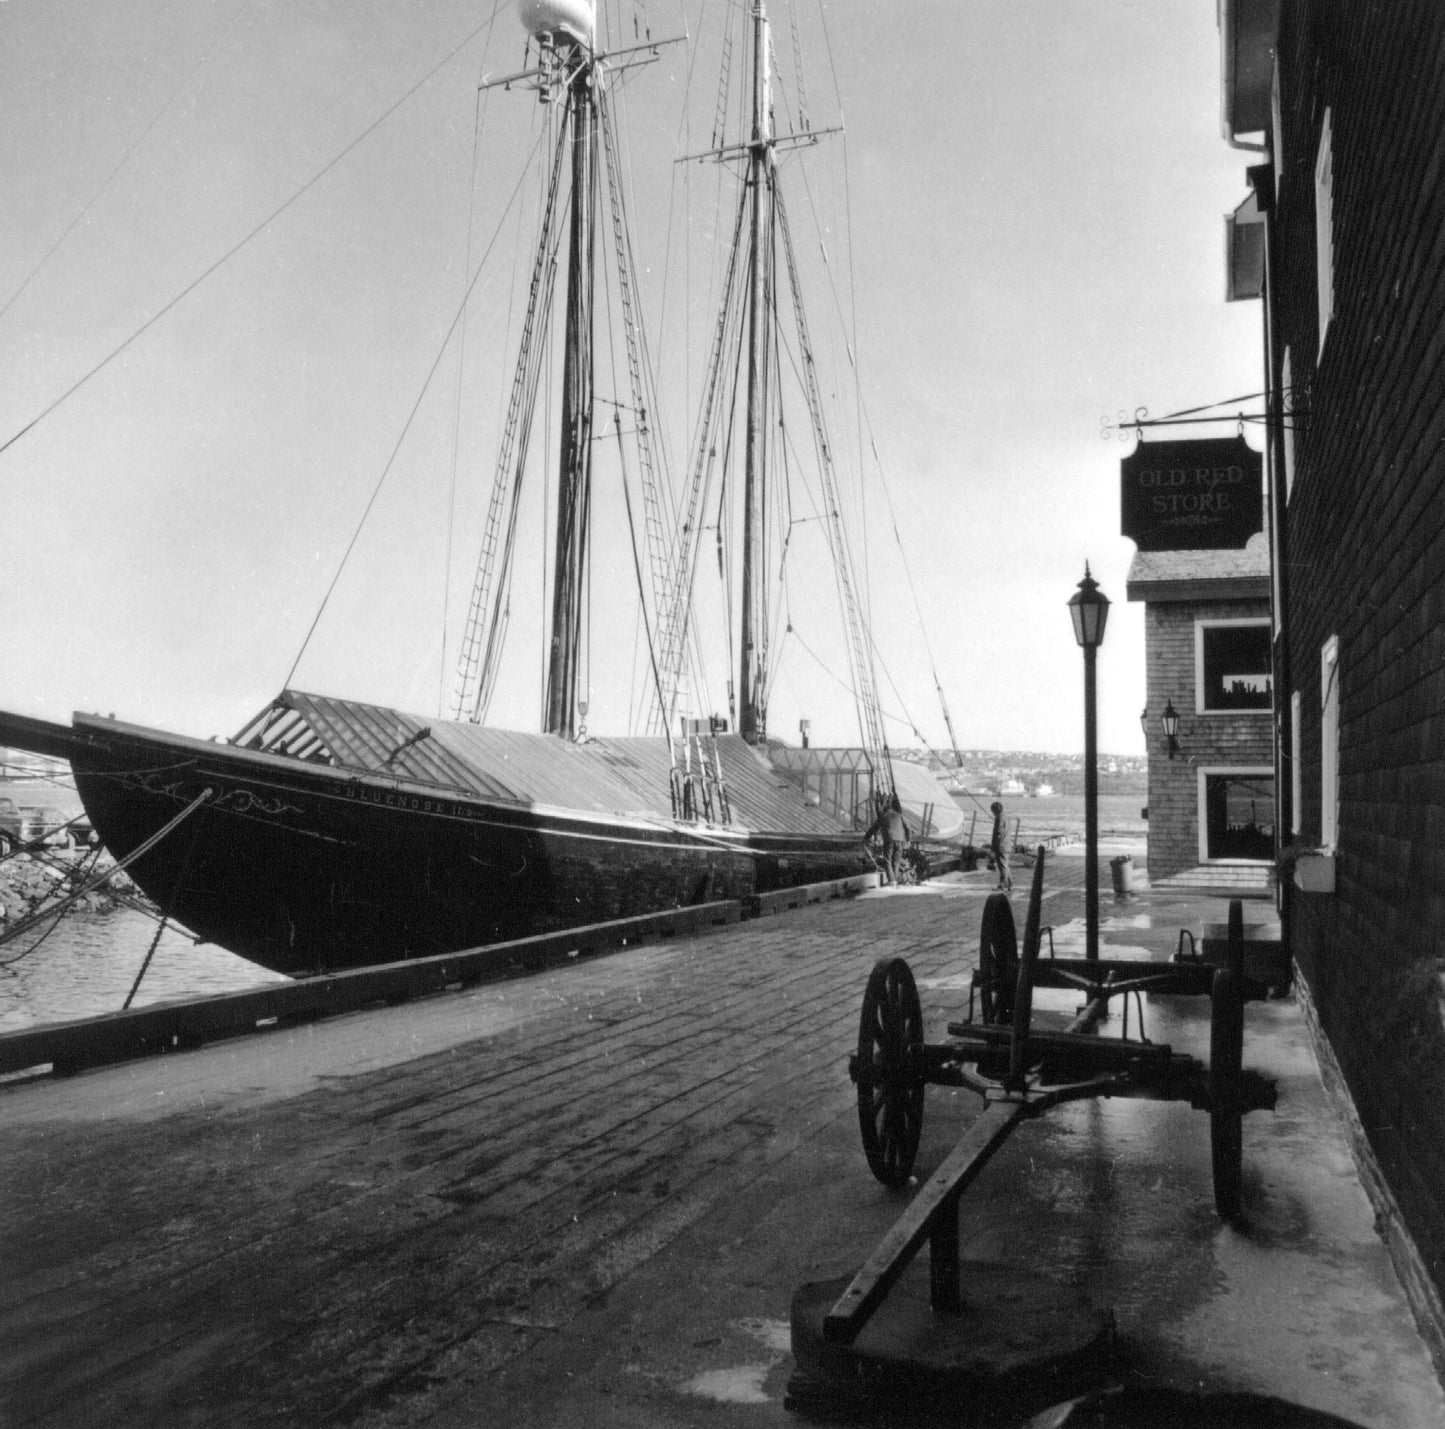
{"points": [[684, 129], [852, 326], [863, 417], [903, 704], [406, 427], [480, 661], [637, 562], [125, 158], [91, 860], [457, 412], [235, 248], [844, 685], [92, 884]]}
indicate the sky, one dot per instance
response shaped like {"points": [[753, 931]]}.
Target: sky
{"points": [[1017, 234]]}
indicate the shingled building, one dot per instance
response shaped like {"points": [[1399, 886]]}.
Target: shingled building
{"points": [[1344, 106], [1207, 658]]}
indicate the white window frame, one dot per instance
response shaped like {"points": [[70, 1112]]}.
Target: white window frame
{"points": [[1199, 628], [1330, 743], [1324, 225], [1206, 771], [1296, 757]]}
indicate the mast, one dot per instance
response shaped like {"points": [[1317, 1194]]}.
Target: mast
{"points": [[574, 486], [752, 716]]}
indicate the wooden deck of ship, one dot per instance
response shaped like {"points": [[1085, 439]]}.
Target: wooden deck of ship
{"points": [[587, 1195]]}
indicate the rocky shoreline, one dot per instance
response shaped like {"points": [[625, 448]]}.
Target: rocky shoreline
{"points": [[30, 882]]}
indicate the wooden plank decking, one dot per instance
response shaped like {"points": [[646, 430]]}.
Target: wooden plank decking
{"points": [[313, 1251], [587, 1196]]}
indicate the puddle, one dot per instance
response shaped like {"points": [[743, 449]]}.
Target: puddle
{"points": [[743, 1384], [740, 1385]]}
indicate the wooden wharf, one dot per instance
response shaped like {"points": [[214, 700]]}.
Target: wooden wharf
{"points": [[586, 1195]]}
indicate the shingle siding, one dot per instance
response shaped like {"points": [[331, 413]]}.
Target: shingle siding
{"points": [[1364, 558], [1216, 740]]}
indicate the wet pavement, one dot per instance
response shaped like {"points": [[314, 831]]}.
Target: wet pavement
{"points": [[588, 1197]]}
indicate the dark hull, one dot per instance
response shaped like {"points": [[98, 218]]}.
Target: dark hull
{"points": [[301, 868]]}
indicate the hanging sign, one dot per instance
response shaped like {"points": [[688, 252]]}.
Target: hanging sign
{"points": [[1192, 496]]}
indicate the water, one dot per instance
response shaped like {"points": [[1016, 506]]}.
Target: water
{"points": [[87, 964], [1060, 814]]}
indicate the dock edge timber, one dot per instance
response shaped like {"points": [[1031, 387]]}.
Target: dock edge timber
{"points": [[70, 1047]]}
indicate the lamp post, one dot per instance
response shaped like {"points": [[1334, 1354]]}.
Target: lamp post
{"points": [[1089, 610]]}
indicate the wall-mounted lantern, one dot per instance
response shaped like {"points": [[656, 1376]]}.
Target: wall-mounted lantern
{"points": [[1170, 721]]}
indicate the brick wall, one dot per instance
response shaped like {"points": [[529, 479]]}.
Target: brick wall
{"points": [[1363, 554], [1235, 740]]}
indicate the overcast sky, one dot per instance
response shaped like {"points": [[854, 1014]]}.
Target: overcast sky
{"points": [[1024, 225]]}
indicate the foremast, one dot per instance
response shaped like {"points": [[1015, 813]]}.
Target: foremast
{"points": [[752, 672], [574, 488]]}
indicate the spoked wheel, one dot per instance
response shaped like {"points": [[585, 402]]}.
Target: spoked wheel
{"points": [[1023, 1002], [889, 1071], [1226, 1081], [998, 959]]}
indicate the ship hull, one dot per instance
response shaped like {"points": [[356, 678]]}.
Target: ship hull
{"points": [[303, 868]]}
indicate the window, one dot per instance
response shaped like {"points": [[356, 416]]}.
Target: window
{"points": [[1238, 814], [1296, 780], [1324, 226], [1232, 665], [1330, 742]]}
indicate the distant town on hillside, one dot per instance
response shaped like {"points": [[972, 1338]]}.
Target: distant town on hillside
{"points": [[1015, 774]]}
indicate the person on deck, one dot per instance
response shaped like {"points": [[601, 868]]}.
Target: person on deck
{"points": [[998, 848], [890, 823]]}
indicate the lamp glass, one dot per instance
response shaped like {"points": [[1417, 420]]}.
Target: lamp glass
{"points": [[1089, 610]]}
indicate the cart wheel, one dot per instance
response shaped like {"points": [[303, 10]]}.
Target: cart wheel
{"points": [[890, 1083], [1023, 1014], [1226, 1057], [998, 958]]}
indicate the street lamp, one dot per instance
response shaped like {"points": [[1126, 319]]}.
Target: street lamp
{"points": [[1089, 610]]}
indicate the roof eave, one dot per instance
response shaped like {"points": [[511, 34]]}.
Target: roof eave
{"points": [[1199, 588]]}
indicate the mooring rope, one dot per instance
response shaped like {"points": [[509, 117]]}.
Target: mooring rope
{"points": [[165, 919], [100, 880]]}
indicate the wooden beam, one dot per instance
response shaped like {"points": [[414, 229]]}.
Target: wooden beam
{"points": [[938, 1198]]}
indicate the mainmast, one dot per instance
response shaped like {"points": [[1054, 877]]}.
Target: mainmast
{"points": [[574, 486], [752, 712]]}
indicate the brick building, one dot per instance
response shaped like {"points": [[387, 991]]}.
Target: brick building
{"points": [[1207, 657], [1345, 104]]}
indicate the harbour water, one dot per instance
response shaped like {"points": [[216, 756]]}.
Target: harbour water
{"points": [[1121, 817], [86, 964]]}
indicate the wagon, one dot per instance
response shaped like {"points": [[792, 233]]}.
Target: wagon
{"points": [[1021, 1071]]}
